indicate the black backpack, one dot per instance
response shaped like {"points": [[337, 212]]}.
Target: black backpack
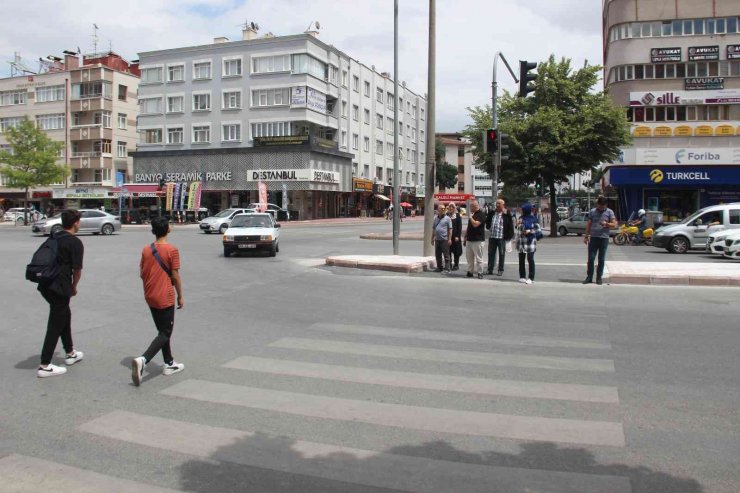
{"points": [[44, 267]]}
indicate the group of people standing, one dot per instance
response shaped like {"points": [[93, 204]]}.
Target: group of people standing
{"points": [[449, 240]]}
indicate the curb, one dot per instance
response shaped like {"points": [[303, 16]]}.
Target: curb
{"points": [[406, 265], [388, 236], [673, 280]]}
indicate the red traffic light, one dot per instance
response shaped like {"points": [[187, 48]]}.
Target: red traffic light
{"points": [[491, 140]]}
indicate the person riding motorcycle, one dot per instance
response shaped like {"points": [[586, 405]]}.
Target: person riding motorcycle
{"points": [[641, 223]]}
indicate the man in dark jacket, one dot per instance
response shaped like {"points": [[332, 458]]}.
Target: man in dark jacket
{"points": [[501, 225]]}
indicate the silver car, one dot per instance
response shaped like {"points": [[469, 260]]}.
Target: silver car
{"points": [[221, 221], [692, 233], [91, 221], [574, 224]]}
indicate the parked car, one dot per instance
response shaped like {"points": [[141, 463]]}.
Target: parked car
{"points": [[277, 212], [716, 242], [574, 224], [253, 231], [732, 245], [221, 221], [17, 214], [91, 221], [692, 232], [562, 212]]}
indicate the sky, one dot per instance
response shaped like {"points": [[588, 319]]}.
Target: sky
{"points": [[469, 33]]}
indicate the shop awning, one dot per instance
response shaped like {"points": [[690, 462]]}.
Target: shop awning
{"points": [[382, 197], [137, 190]]}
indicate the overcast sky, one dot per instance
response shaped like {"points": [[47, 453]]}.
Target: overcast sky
{"points": [[469, 32]]}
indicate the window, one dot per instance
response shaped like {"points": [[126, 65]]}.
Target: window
{"points": [[150, 106], [343, 141], [734, 216], [422, 113], [344, 109], [268, 64], [50, 122], [355, 112], [232, 67], [413, 156], [408, 154], [100, 175], [51, 93], [202, 102], [356, 83], [379, 121], [366, 118], [232, 132], [8, 98], [413, 135], [271, 97], [413, 111], [305, 64], [421, 136], [122, 121], [390, 100], [366, 144], [175, 73], [232, 100], [379, 147], [201, 70], [331, 74], [390, 127], [151, 136], [174, 135], [201, 134], [367, 89], [175, 104], [355, 141], [389, 149], [102, 118], [379, 173], [121, 150], [151, 75], [344, 78], [400, 129], [379, 94], [271, 129], [122, 92]]}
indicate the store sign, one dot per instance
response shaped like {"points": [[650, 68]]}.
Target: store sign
{"points": [[733, 52], [693, 97], [658, 55], [285, 140], [362, 185], [703, 53], [674, 175], [298, 97], [314, 175], [703, 83], [453, 197], [180, 177], [315, 100], [687, 156], [80, 193]]}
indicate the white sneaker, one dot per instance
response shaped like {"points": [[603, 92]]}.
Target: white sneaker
{"points": [[173, 368], [137, 370], [523, 281], [528, 281], [50, 371], [73, 358]]}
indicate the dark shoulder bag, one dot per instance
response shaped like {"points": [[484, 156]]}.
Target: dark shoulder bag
{"points": [[159, 260]]}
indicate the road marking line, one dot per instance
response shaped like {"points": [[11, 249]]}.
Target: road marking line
{"points": [[510, 340], [21, 474], [446, 383], [402, 416], [447, 356], [339, 463]]}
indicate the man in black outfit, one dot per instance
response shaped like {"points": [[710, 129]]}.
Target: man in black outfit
{"points": [[501, 224], [58, 293]]}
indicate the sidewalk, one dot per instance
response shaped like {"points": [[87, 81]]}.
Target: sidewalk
{"points": [[674, 273]]}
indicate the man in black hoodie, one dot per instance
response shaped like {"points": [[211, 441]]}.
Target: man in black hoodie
{"points": [[501, 225]]}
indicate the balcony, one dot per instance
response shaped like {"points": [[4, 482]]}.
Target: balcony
{"points": [[91, 159], [91, 103], [94, 131]]}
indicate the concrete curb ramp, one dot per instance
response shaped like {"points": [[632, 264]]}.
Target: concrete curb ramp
{"points": [[393, 263], [389, 236], [674, 273]]}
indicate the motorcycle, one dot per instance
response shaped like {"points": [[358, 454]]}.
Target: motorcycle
{"points": [[628, 235]]}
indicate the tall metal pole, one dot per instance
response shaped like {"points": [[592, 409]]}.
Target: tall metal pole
{"points": [[429, 164], [495, 158], [396, 171]]}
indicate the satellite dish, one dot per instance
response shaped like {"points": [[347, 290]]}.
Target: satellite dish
{"points": [[257, 27], [318, 26], [252, 25]]}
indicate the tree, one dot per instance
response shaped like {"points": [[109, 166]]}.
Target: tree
{"points": [[563, 129], [445, 174], [481, 117], [31, 160]]}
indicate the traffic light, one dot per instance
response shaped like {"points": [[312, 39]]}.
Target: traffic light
{"points": [[526, 80], [503, 145], [538, 187], [490, 140]]}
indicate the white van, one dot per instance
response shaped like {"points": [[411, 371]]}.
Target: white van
{"points": [[692, 232]]}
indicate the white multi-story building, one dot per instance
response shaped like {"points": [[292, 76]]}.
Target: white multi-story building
{"points": [[471, 180], [288, 103]]}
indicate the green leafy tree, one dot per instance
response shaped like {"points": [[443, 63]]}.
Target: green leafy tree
{"points": [[563, 129], [481, 116], [445, 174], [31, 160]]}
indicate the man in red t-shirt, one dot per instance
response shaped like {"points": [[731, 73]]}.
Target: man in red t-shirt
{"points": [[160, 271]]}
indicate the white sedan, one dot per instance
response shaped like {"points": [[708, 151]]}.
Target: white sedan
{"points": [[732, 245], [249, 232]]}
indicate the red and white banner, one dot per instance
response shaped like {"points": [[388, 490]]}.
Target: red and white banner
{"points": [[262, 187], [453, 197]]}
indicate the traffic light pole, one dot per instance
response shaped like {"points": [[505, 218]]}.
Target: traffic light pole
{"points": [[496, 158]]}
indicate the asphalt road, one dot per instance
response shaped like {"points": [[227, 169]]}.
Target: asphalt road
{"points": [[303, 378]]}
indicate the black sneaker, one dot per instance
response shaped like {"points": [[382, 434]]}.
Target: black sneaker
{"points": [[437, 270], [599, 282], [480, 276], [500, 273], [587, 281], [489, 273], [469, 274]]}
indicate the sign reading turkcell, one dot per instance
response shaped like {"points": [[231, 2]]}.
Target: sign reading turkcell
{"points": [[674, 175], [315, 175]]}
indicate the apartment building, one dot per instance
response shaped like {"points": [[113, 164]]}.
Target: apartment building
{"points": [[674, 65], [88, 103], [275, 110], [472, 181]]}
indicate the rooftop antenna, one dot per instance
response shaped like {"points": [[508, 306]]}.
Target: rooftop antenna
{"points": [[315, 24], [249, 25], [17, 67], [95, 38]]}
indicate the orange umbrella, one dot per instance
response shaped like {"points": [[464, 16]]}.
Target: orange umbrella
{"points": [[406, 204]]}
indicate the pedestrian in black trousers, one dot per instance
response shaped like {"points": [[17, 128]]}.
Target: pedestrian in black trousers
{"points": [[501, 225], [456, 247]]}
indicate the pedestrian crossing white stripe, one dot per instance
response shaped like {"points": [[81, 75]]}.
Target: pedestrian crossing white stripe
{"points": [[447, 356], [508, 340], [397, 415], [21, 474], [447, 383], [339, 463]]}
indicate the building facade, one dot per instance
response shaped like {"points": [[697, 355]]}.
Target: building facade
{"points": [[674, 65], [289, 103], [471, 180], [91, 107]]}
